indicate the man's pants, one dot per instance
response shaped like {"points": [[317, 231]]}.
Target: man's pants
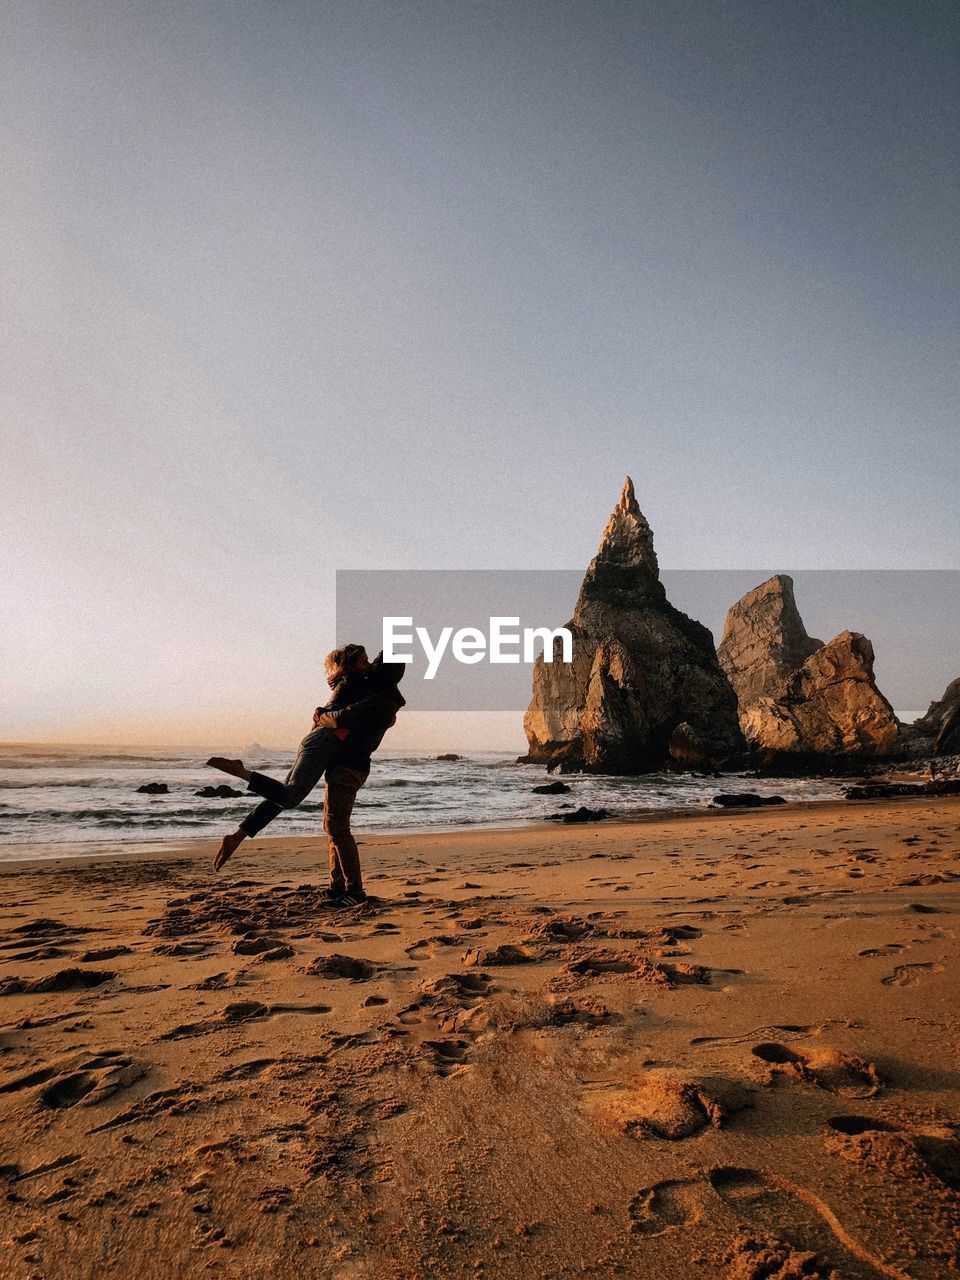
{"points": [[313, 755], [339, 797]]}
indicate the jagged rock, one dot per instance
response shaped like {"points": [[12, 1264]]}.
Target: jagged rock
{"points": [[583, 814], [154, 789], [764, 640], [940, 727], [644, 688], [220, 792], [829, 707], [800, 698], [449, 755], [551, 789], [887, 790], [745, 800], [930, 723], [883, 790]]}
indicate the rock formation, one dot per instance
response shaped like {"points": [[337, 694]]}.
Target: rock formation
{"points": [[764, 640], [644, 688], [939, 729], [798, 697]]}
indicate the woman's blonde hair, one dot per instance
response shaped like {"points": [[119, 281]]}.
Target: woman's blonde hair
{"points": [[346, 658]]}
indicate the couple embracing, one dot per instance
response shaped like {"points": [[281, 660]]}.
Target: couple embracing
{"points": [[345, 734]]}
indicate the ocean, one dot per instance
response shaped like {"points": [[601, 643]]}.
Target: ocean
{"points": [[74, 796]]}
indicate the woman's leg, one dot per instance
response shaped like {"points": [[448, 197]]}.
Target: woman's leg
{"points": [[252, 824], [313, 756]]}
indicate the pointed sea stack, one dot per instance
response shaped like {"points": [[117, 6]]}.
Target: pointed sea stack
{"points": [[645, 689]]}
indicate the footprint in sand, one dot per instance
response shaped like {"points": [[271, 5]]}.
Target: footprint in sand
{"points": [[663, 1207], [828, 1069], [465, 988], [506, 954], [601, 963], [99, 954], [662, 1107], [62, 980], [562, 929], [448, 1057], [263, 946], [335, 965], [218, 981], [926, 1149], [454, 1000], [669, 1105], [889, 949], [756, 1255], [89, 1078], [181, 950], [46, 937], [800, 1225], [237, 1013], [436, 944], [586, 1012], [909, 975]]}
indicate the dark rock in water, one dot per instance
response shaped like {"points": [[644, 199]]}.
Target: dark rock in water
{"points": [[800, 701], [450, 755], [880, 790], [644, 688], [583, 814], [551, 789], [154, 789], [221, 792], [884, 790], [745, 800]]}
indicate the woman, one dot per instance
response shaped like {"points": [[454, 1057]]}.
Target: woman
{"points": [[345, 734]]}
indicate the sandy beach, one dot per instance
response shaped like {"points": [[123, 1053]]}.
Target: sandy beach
{"points": [[712, 1045]]}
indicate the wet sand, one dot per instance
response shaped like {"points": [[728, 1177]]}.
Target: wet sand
{"points": [[714, 1045]]}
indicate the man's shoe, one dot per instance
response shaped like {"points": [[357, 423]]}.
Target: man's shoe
{"points": [[354, 899], [332, 897]]}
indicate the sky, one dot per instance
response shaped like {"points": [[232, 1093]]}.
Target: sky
{"points": [[291, 287]]}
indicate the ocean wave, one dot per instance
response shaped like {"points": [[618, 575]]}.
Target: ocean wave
{"points": [[56, 784], [198, 813], [53, 759]]}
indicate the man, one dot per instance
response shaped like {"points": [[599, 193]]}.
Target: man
{"points": [[366, 723], [344, 736]]}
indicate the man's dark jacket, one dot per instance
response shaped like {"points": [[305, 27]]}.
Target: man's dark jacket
{"points": [[367, 719]]}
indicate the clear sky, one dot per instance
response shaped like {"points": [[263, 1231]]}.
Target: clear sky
{"points": [[287, 287]]}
